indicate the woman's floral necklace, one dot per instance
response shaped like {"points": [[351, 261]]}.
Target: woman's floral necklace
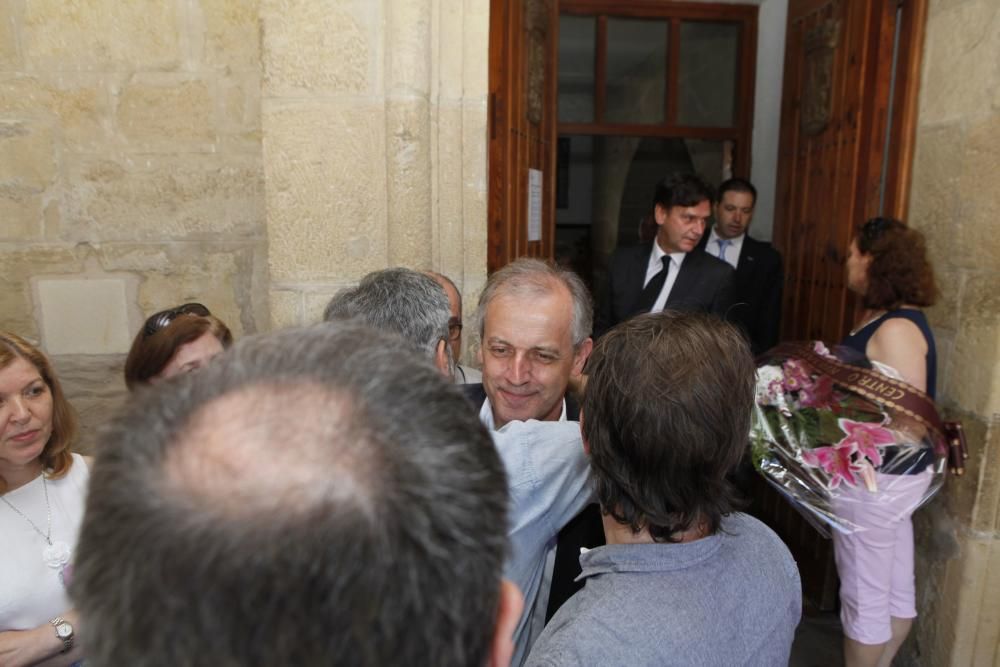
{"points": [[56, 554]]}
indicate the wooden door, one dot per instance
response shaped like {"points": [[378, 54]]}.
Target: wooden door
{"points": [[848, 109], [836, 167], [522, 128]]}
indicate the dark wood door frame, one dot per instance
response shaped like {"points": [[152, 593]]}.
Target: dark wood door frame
{"points": [[522, 128]]}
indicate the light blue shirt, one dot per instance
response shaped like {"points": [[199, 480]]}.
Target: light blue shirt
{"points": [[547, 474]]}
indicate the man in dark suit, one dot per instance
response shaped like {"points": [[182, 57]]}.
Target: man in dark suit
{"points": [[670, 272], [759, 273]]}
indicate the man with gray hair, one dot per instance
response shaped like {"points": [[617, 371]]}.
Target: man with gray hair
{"points": [[405, 302], [534, 320], [463, 374], [291, 505], [545, 461]]}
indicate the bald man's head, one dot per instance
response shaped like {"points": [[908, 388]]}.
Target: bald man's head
{"points": [[315, 493]]}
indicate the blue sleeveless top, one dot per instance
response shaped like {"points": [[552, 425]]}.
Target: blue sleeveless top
{"points": [[859, 341]]}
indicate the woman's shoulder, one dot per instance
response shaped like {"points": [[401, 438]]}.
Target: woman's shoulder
{"points": [[897, 327], [79, 472]]}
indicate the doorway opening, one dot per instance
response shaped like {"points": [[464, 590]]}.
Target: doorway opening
{"points": [[644, 90]]}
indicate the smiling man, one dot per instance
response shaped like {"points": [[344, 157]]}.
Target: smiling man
{"points": [[534, 322], [534, 326], [671, 272]]}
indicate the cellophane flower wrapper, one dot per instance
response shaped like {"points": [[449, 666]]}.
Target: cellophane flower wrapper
{"points": [[833, 451]]}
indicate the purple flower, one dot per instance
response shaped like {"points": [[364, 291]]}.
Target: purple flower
{"points": [[818, 394], [796, 376], [865, 438], [821, 349]]}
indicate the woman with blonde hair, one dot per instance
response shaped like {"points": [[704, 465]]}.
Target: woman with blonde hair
{"points": [[42, 493]]}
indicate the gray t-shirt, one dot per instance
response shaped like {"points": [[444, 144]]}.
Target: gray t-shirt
{"points": [[733, 598]]}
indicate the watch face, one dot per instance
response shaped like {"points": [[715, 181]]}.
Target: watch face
{"points": [[64, 630]]}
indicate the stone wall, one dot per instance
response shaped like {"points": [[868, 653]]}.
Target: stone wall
{"points": [[254, 155], [956, 203], [374, 118], [130, 176]]}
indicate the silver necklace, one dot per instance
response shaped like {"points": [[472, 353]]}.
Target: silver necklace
{"points": [[56, 554]]}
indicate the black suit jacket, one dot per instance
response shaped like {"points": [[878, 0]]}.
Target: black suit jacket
{"points": [[760, 279], [703, 284]]}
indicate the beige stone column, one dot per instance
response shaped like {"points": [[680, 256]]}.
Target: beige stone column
{"points": [[956, 203], [374, 133], [408, 132]]}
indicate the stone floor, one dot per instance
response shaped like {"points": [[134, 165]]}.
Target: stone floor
{"points": [[817, 641]]}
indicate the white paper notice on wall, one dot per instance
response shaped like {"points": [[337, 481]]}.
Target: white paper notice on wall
{"points": [[534, 205]]}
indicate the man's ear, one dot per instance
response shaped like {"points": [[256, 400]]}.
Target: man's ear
{"points": [[581, 355], [442, 360], [659, 214], [508, 613]]}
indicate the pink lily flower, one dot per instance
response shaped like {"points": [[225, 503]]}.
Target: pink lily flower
{"points": [[835, 461], [865, 438]]}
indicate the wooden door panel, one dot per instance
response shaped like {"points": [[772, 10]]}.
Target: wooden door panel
{"points": [[523, 45], [836, 115]]}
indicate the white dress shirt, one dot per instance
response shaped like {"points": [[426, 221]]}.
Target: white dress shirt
{"points": [[732, 250], [486, 414], [655, 266]]}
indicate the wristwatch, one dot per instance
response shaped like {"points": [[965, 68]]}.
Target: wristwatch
{"points": [[64, 631]]}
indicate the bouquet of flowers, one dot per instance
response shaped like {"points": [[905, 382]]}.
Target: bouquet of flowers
{"points": [[833, 436]]}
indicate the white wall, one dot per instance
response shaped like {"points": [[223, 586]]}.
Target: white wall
{"points": [[767, 111]]}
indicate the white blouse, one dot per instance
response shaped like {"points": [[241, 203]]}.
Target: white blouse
{"points": [[31, 592]]}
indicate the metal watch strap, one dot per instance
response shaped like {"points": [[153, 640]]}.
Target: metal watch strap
{"points": [[67, 641]]}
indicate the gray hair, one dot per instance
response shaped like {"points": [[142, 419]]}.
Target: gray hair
{"points": [[313, 493], [399, 300], [532, 277]]}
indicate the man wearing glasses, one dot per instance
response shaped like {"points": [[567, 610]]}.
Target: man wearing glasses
{"points": [[545, 463], [463, 374]]}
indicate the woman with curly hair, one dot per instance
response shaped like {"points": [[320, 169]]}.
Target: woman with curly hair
{"points": [[887, 266], [42, 492]]}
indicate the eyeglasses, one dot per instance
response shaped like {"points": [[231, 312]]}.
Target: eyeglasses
{"points": [[162, 319], [454, 329]]}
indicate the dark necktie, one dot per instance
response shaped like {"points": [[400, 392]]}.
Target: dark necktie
{"points": [[652, 289]]}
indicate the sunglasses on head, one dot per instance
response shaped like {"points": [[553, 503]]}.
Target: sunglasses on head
{"points": [[162, 319]]}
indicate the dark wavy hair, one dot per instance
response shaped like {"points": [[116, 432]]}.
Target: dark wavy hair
{"points": [[900, 272], [682, 190], [666, 414], [56, 456]]}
